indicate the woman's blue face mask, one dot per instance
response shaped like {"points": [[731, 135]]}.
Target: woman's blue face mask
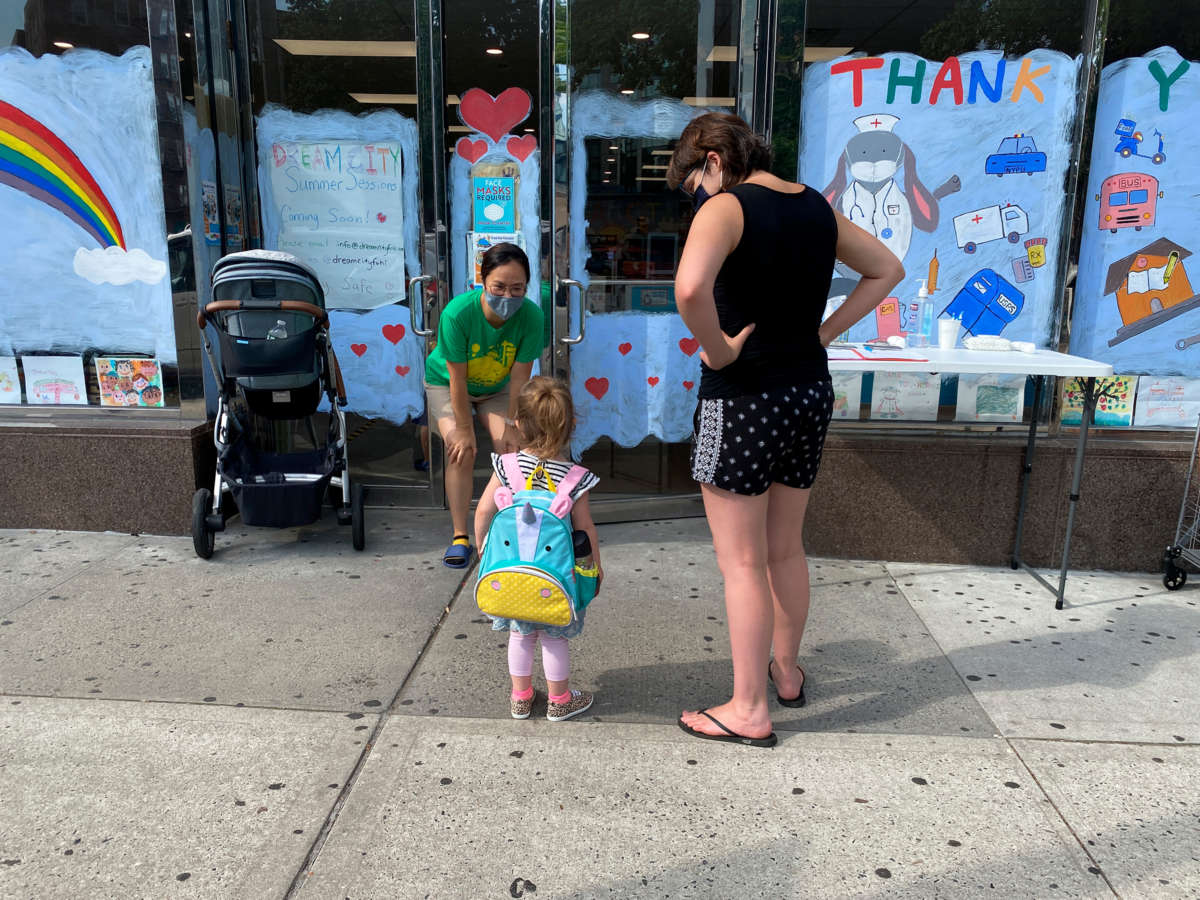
{"points": [[504, 307]]}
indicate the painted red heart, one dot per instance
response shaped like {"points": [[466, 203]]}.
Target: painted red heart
{"points": [[597, 387], [381, 217], [394, 333], [403, 370], [494, 116], [625, 348], [521, 147], [688, 385], [358, 349], [652, 380], [689, 345], [470, 150]]}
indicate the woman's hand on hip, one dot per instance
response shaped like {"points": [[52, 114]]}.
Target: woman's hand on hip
{"points": [[728, 350]]}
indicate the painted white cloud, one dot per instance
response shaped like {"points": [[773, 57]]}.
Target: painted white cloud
{"points": [[112, 265], [493, 212]]}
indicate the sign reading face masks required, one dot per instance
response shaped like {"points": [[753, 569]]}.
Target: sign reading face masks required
{"points": [[340, 208]]}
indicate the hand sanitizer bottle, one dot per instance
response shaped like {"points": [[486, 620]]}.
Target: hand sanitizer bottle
{"points": [[926, 321], [920, 319]]}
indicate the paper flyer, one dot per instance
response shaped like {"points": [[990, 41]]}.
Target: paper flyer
{"points": [[478, 243], [1164, 402], [847, 395], [990, 398], [904, 396], [129, 382], [10, 381], [494, 204], [1114, 401], [54, 380]]}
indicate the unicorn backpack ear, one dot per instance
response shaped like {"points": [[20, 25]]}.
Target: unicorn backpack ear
{"points": [[503, 498]]}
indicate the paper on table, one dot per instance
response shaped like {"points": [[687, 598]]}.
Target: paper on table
{"points": [[870, 352]]}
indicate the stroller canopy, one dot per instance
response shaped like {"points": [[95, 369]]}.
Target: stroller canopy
{"points": [[233, 275]]}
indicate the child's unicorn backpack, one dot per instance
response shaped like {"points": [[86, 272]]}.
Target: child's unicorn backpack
{"points": [[527, 564]]}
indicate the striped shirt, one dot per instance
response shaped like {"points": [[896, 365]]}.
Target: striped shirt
{"points": [[557, 469]]}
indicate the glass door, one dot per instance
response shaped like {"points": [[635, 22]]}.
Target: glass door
{"points": [[625, 81], [347, 103]]}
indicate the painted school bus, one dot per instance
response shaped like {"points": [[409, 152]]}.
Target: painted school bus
{"points": [[1128, 200]]}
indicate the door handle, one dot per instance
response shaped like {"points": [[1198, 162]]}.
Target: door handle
{"points": [[417, 295], [569, 283]]}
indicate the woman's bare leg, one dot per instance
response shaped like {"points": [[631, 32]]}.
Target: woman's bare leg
{"points": [[739, 529], [787, 569]]}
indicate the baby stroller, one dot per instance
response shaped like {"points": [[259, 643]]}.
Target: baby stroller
{"points": [[275, 361]]}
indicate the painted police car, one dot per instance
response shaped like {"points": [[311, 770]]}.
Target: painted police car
{"points": [[1015, 155]]}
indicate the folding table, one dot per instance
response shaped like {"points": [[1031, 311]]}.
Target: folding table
{"points": [[1040, 364]]}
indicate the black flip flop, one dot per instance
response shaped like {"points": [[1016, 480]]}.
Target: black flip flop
{"points": [[796, 701], [729, 737]]}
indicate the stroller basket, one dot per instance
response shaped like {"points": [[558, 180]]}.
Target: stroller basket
{"points": [[265, 495]]}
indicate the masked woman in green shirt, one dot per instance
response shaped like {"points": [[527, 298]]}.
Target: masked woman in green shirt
{"points": [[486, 343]]}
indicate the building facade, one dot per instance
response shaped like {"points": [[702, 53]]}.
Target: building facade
{"points": [[1030, 171]]}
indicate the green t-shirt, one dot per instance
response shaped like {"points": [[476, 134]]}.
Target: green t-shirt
{"points": [[465, 336]]}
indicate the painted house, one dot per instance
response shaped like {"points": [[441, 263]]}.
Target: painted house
{"points": [[1149, 280]]}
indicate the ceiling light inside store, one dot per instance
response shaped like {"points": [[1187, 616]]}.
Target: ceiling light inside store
{"points": [[627, 91], [650, 168], [460, 129], [529, 129], [453, 100], [824, 54], [710, 101], [187, 34], [613, 147], [348, 48], [63, 45], [722, 54], [393, 99], [493, 51], [650, 178], [661, 152], [640, 36]]}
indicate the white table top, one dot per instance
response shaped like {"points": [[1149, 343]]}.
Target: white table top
{"points": [[961, 361]]}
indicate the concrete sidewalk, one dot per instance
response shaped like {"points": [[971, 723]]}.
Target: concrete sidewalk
{"points": [[294, 719]]}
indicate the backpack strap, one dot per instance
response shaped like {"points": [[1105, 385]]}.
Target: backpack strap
{"points": [[563, 501], [512, 474]]}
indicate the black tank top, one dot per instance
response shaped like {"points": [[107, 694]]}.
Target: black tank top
{"points": [[777, 277]]}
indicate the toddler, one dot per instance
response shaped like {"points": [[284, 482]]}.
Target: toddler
{"points": [[545, 419]]}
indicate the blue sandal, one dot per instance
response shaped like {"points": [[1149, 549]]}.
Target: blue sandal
{"points": [[457, 556]]}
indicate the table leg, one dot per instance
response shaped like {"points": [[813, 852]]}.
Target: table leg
{"points": [[1038, 381], [1089, 404]]}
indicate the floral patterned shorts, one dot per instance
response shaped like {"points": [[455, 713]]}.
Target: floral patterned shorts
{"points": [[745, 444]]}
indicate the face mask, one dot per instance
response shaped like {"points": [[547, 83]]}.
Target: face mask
{"points": [[699, 197], [504, 307]]}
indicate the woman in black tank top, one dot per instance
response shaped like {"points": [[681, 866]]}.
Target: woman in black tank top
{"points": [[751, 287]]}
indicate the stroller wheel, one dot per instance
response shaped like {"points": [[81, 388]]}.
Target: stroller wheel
{"points": [[1174, 577], [203, 537], [357, 529]]}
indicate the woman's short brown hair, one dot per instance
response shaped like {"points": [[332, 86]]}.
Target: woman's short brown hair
{"points": [[545, 416], [741, 150]]}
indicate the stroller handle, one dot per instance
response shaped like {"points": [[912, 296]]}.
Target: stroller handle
{"points": [[319, 315]]}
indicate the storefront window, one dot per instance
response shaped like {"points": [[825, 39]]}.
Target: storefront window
{"points": [[335, 105], [1137, 301], [87, 318], [951, 134]]}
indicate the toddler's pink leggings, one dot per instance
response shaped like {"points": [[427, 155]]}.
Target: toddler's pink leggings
{"points": [[556, 659]]}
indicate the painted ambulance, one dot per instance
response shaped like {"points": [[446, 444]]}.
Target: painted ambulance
{"points": [[990, 224]]}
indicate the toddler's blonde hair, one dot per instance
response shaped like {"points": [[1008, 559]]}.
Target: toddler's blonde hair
{"points": [[545, 416]]}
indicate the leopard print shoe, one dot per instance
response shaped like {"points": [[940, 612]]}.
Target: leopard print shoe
{"points": [[580, 702], [521, 708]]}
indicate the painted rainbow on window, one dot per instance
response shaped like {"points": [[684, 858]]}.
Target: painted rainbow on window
{"points": [[36, 162]]}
